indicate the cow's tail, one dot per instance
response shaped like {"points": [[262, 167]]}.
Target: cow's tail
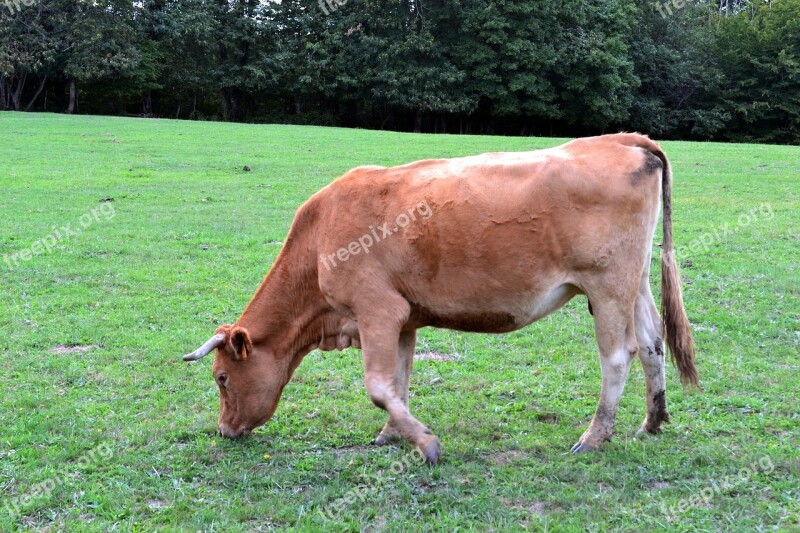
{"points": [[677, 330]]}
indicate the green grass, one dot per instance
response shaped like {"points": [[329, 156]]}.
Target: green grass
{"points": [[191, 238]]}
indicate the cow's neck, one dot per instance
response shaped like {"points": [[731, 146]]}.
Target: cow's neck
{"points": [[288, 313]]}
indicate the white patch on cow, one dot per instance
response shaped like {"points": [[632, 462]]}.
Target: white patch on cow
{"points": [[550, 302], [497, 159], [381, 393], [615, 369]]}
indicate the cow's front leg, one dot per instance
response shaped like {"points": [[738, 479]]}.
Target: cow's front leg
{"points": [[405, 362], [380, 339], [614, 327]]}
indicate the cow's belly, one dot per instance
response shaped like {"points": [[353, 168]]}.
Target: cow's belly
{"points": [[497, 316]]}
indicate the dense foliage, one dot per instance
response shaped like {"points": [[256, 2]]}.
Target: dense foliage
{"points": [[675, 69]]}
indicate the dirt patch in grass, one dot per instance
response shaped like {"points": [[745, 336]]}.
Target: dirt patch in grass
{"points": [[73, 348], [660, 485], [503, 458], [431, 486], [379, 524], [602, 487], [157, 505], [538, 507], [435, 356], [548, 418], [356, 449]]}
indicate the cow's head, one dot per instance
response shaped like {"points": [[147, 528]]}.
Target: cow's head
{"points": [[250, 380]]}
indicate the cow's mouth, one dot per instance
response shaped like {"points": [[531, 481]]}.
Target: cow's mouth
{"points": [[229, 433]]}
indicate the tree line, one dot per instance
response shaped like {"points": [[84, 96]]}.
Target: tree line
{"points": [[681, 69]]}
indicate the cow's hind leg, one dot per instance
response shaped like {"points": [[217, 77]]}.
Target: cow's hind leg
{"points": [[651, 354], [405, 362], [616, 339], [380, 337]]}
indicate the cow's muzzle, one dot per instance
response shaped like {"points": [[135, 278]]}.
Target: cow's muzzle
{"points": [[228, 432]]}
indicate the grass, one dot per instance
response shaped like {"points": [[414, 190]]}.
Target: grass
{"points": [[103, 427]]}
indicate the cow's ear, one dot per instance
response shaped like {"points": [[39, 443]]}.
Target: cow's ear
{"points": [[241, 343]]}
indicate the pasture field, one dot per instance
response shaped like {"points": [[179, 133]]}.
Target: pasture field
{"points": [[104, 428]]}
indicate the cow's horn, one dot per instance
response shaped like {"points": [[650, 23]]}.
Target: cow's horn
{"points": [[206, 348]]}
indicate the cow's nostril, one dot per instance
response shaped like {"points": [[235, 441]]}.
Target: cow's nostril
{"points": [[228, 432]]}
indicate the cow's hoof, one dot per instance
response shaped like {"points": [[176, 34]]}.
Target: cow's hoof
{"points": [[388, 435], [644, 433], [581, 447], [431, 451], [383, 439]]}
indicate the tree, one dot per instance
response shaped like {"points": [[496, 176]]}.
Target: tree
{"points": [[595, 73], [679, 73], [759, 51], [98, 41], [245, 43], [710, 69], [407, 68], [27, 49]]}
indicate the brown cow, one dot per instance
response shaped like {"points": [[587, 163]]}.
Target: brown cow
{"points": [[488, 243]]}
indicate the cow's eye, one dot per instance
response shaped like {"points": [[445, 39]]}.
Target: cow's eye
{"points": [[222, 379]]}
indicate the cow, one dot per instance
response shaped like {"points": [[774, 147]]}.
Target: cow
{"points": [[487, 243]]}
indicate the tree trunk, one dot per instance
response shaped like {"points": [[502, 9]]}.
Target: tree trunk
{"points": [[223, 97], [59, 93], [235, 107], [3, 94], [73, 97], [418, 121], [147, 103], [16, 95], [193, 114], [35, 96]]}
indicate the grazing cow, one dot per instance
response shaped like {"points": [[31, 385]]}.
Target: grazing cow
{"points": [[488, 243]]}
